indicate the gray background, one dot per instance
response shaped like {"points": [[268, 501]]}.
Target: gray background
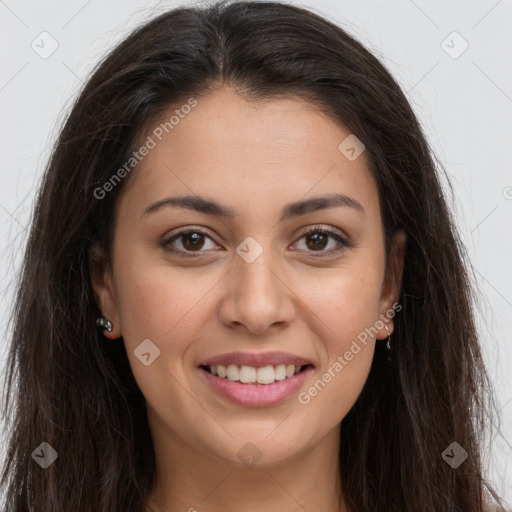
{"points": [[463, 100]]}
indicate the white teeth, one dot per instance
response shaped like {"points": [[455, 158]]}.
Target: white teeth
{"points": [[233, 372], [247, 374], [265, 375], [251, 374], [280, 372]]}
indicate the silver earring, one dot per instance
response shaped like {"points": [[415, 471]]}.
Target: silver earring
{"points": [[104, 324], [388, 344]]}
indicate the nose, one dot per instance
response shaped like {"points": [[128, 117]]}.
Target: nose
{"points": [[257, 295]]}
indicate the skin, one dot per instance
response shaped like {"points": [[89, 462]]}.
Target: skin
{"points": [[253, 158]]}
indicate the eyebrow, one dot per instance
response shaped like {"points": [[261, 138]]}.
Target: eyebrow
{"points": [[209, 207]]}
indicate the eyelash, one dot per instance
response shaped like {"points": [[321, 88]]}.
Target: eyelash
{"points": [[312, 229]]}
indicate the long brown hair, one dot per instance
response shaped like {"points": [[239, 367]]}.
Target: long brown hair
{"points": [[65, 386]]}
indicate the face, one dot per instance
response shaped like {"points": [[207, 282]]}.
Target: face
{"points": [[195, 282]]}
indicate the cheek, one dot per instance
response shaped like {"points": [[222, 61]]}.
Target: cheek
{"points": [[355, 305], [346, 308], [154, 300], [344, 300], [166, 304]]}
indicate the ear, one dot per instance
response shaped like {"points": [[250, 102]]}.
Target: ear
{"points": [[392, 281], [104, 290]]}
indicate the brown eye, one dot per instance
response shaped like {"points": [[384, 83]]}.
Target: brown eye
{"points": [[188, 241], [192, 241], [317, 239]]}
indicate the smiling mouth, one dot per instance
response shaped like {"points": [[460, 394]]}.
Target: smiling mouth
{"points": [[263, 375]]}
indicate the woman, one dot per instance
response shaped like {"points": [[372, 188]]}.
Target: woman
{"points": [[243, 288]]}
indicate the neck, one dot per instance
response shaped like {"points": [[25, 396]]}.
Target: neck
{"points": [[193, 481]]}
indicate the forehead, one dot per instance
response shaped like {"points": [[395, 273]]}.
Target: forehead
{"points": [[251, 154]]}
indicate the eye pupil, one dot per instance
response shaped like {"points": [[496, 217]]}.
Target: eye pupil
{"points": [[197, 242], [317, 238]]}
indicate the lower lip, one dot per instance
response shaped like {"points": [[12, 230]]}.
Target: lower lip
{"points": [[256, 395]]}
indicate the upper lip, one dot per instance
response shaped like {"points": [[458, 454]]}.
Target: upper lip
{"points": [[257, 360]]}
